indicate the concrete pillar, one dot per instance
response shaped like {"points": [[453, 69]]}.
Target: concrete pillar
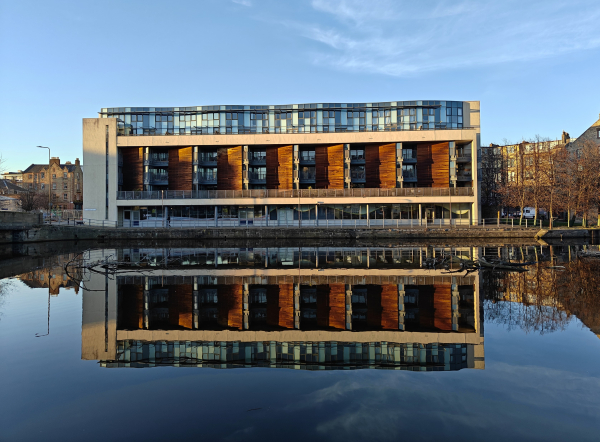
{"points": [[401, 310], [455, 300], [266, 215], [216, 217], [348, 307], [368, 222], [297, 306], [245, 306]]}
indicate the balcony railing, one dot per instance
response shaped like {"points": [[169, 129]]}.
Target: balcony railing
{"points": [[158, 178], [409, 174], [357, 174], [258, 176], [304, 193], [257, 158], [309, 176], [206, 177]]}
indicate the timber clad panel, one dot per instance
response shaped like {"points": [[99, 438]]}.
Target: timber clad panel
{"points": [[380, 165], [389, 307], [180, 306], [329, 166], [229, 308], [433, 165], [331, 306], [229, 168], [440, 155], [280, 163], [180, 168], [130, 307], [442, 303], [133, 168], [280, 305]]}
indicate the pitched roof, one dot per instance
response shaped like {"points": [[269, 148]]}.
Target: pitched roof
{"points": [[37, 168], [10, 186]]}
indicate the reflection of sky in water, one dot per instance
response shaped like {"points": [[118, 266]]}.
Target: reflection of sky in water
{"points": [[535, 387]]}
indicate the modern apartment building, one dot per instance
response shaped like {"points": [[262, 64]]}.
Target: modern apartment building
{"points": [[384, 163], [66, 181], [289, 307]]}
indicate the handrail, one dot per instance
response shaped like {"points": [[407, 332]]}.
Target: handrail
{"points": [[304, 193]]}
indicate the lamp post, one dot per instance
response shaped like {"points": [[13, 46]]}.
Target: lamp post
{"points": [[49, 184]]}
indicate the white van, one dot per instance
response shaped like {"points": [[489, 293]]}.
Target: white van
{"points": [[529, 212]]}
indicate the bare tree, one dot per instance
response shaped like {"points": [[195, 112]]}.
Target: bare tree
{"points": [[31, 200]]}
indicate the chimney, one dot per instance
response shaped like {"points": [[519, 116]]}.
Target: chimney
{"points": [[77, 161], [55, 160]]}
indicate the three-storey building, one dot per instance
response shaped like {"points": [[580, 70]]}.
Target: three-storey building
{"points": [[392, 163]]}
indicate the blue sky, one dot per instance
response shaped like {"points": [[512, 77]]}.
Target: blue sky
{"points": [[534, 65]]}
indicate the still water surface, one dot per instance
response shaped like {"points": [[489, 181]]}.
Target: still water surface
{"points": [[322, 343]]}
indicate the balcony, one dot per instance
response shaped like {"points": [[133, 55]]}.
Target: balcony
{"points": [[206, 159], [462, 175], [257, 177], [357, 175], [409, 175], [463, 157], [156, 160], [309, 176], [205, 178], [257, 158], [157, 178], [357, 159], [307, 157], [409, 158]]}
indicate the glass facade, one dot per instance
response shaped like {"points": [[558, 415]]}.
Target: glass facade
{"points": [[292, 118]]}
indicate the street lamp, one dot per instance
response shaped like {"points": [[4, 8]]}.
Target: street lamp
{"points": [[49, 184]]}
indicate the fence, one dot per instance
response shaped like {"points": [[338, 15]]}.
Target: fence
{"points": [[304, 193]]}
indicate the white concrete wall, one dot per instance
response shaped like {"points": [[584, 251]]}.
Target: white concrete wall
{"points": [[94, 167]]}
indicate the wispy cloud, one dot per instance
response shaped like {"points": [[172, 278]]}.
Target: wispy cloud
{"points": [[401, 38], [247, 3]]}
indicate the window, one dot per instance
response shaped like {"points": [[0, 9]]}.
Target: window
{"points": [[64, 196], [53, 186], [598, 133], [30, 176], [65, 175], [78, 186], [65, 187], [43, 175], [76, 175], [53, 175], [43, 186]]}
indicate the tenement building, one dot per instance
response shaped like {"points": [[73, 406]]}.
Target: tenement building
{"points": [[65, 180], [390, 163]]}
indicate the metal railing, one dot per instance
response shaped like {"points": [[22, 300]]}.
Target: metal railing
{"points": [[357, 174], [205, 177], [257, 175], [158, 177], [262, 222], [304, 193]]}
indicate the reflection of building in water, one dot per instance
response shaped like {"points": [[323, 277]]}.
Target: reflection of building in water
{"points": [[53, 275], [313, 313]]}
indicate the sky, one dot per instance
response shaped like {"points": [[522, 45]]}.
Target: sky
{"points": [[533, 65]]}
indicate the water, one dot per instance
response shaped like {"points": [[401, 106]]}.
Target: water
{"points": [[322, 343]]}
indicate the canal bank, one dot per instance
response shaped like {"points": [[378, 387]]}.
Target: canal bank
{"points": [[65, 233]]}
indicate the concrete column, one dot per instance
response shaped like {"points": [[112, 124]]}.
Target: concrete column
{"points": [[266, 215], [297, 306], [245, 306], [455, 299], [348, 307], [216, 217], [316, 214], [368, 221], [419, 214], [245, 164], [401, 310]]}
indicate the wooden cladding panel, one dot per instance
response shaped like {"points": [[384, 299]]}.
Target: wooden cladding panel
{"points": [[435, 306], [433, 165], [280, 163], [280, 305], [131, 307], [329, 166], [229, 310], [380, 165], [229, 168], [382, 306], [442, 303], [181, 306], [180, 168], [133, 168], [331, 306]]}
